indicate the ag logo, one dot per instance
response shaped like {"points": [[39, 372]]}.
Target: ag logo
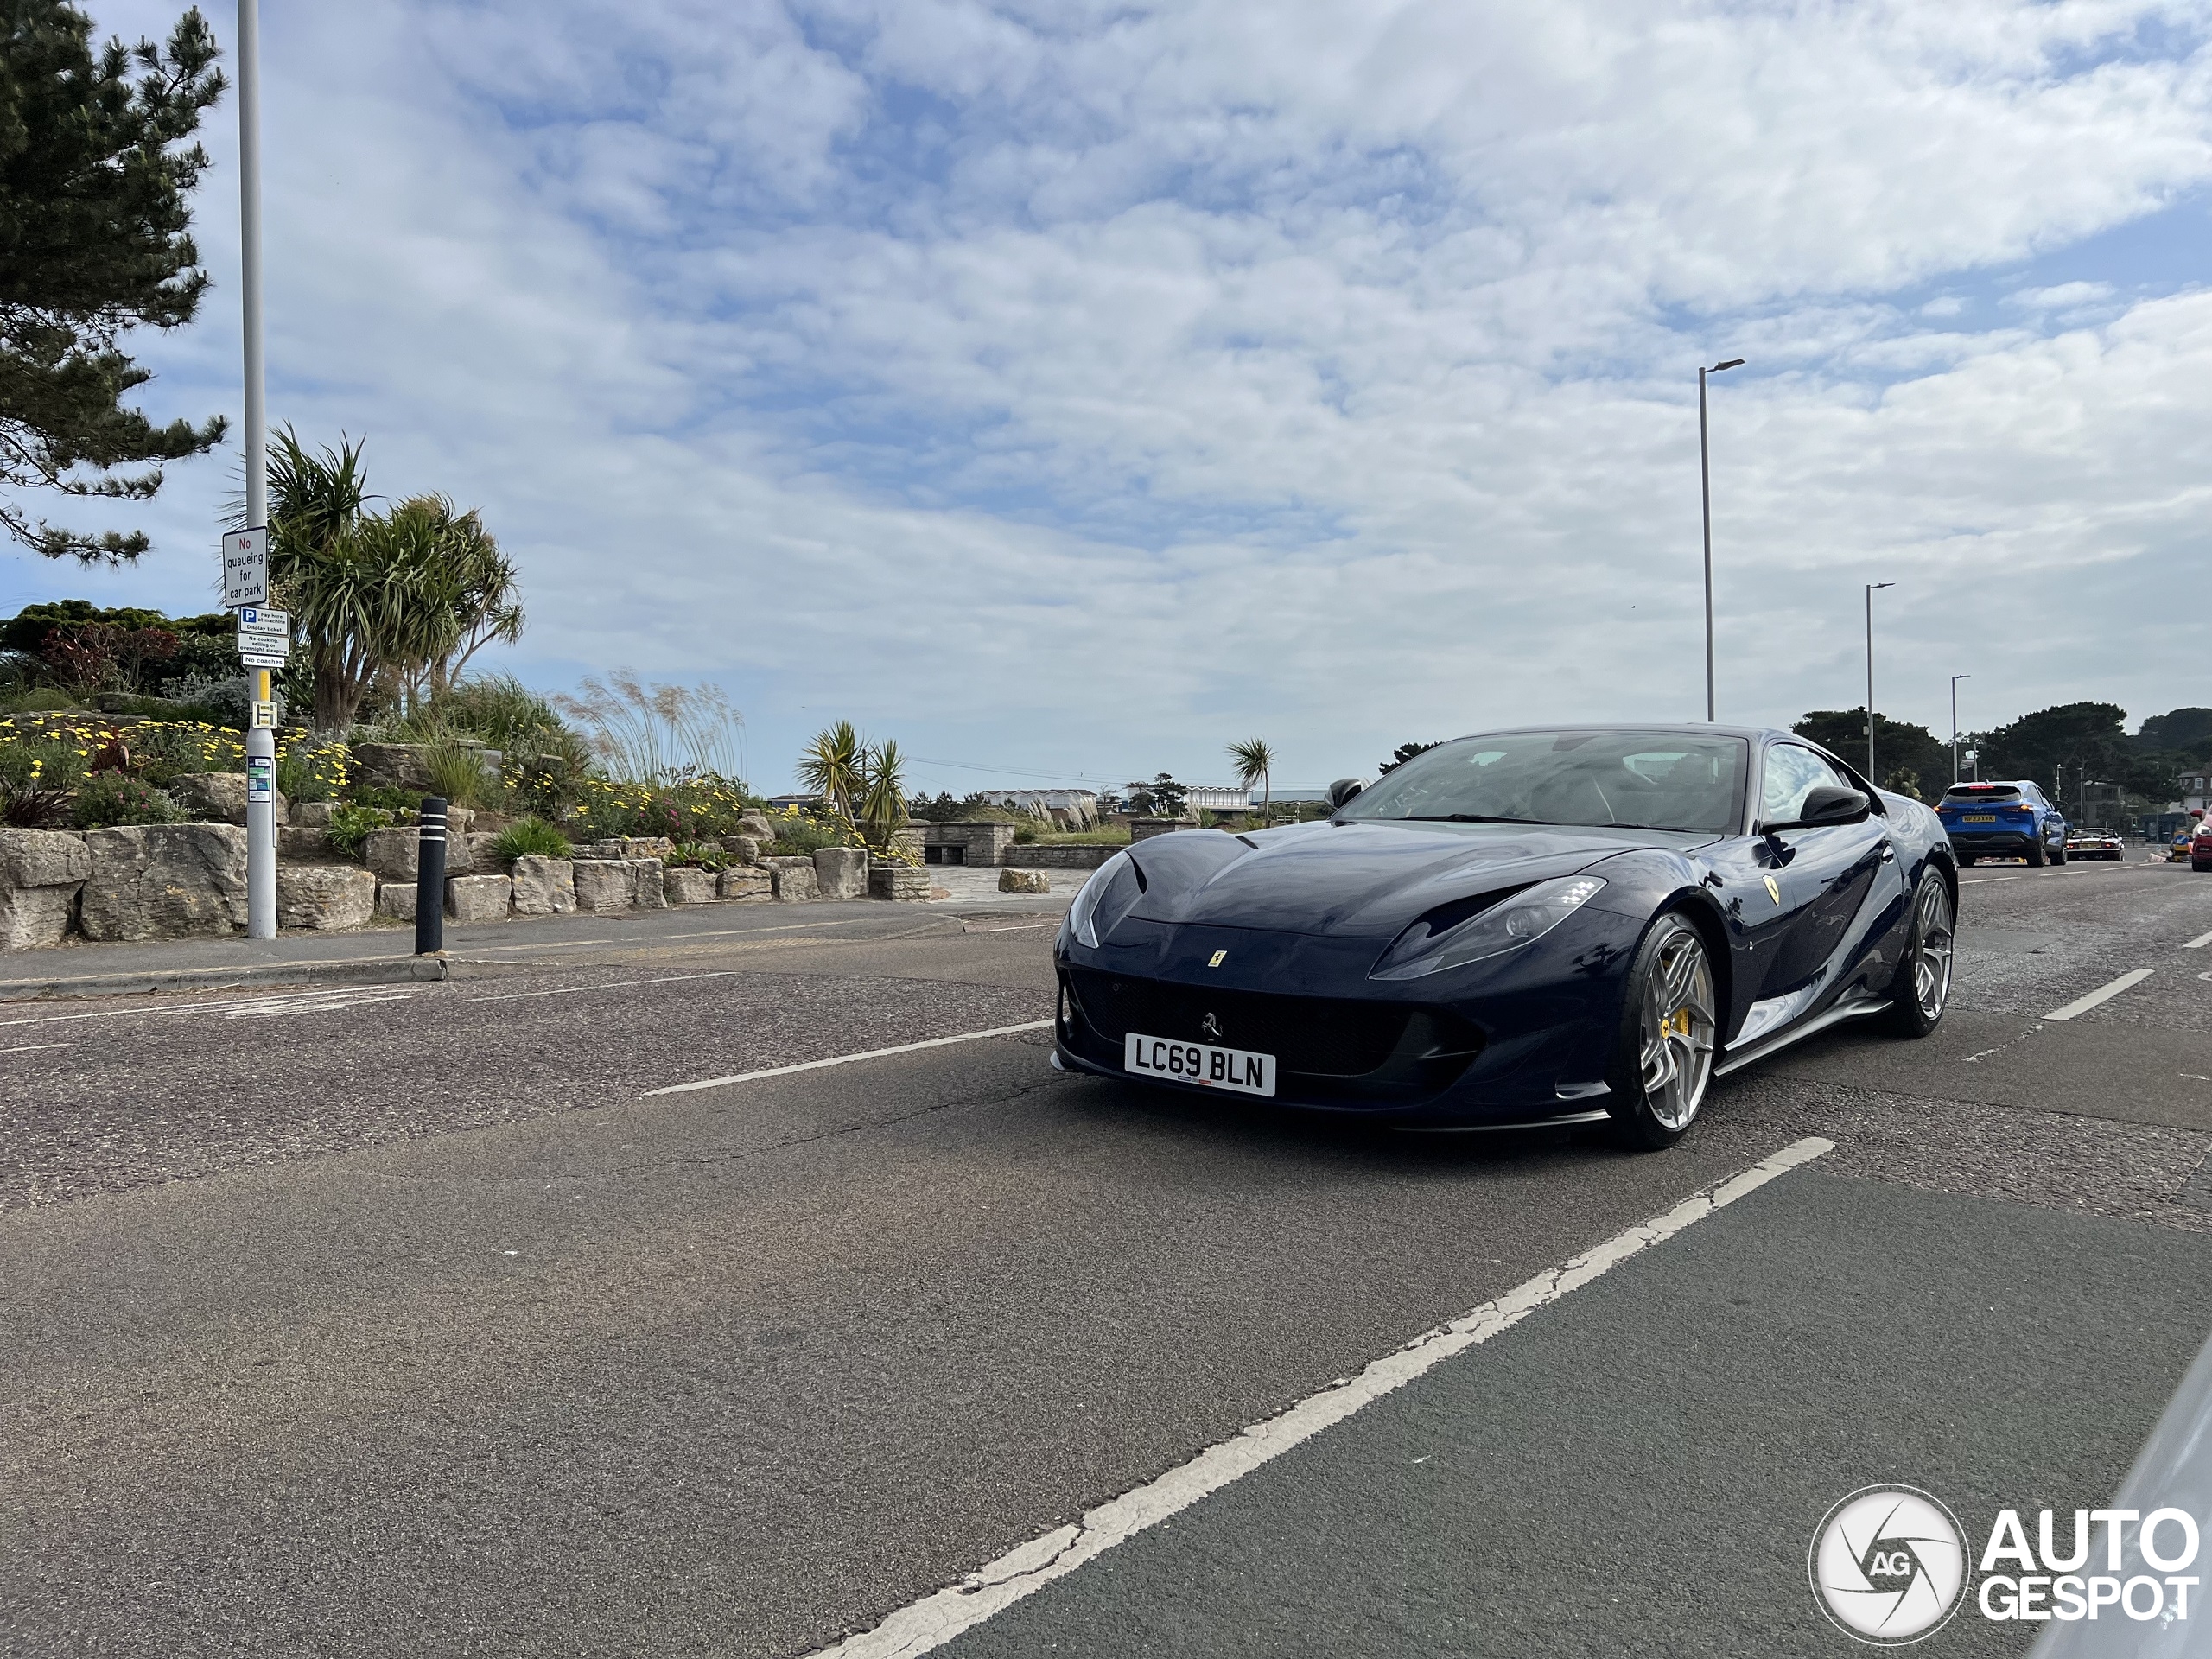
{"points": [[1888, 1565]]}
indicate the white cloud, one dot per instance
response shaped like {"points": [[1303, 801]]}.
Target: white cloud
{"points": [[1081, 388]]}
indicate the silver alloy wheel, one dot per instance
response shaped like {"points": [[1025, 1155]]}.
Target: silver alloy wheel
{"points": [[1678, 1031], [1931, 955]]}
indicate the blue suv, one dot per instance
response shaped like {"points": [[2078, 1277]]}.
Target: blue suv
{"points": [[1997, 820]]}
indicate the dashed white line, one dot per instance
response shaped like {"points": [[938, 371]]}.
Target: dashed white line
{"points": [[935, 1620], [2199, 942], [2102, 993], [290, 1002], [26, 1048], [848, 1059], [1978, 881]]}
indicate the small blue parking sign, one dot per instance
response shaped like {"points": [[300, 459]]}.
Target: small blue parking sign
{"points": [[257, 789]]}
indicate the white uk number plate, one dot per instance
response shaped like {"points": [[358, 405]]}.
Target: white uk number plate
{"points": [[1200, 1063]]}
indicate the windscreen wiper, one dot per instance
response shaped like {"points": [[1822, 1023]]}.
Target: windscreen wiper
{"points": [[1462, 817]]}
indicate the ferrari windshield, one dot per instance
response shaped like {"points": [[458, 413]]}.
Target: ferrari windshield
{"points": [[1648, 780]]}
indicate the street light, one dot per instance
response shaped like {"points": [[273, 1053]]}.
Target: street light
{"points": [[1705, 490], [1955, 679], [1870, 587]]}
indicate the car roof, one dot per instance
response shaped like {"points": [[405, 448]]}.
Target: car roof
{"points": [[1655, 727]]}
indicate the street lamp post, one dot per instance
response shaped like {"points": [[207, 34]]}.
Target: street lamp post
{"points": [[1870, 587], [260, 739], [1705, 493], [1955, 679]]}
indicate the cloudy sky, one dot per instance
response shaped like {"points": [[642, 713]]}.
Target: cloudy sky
{"points": [[1069, 388]]}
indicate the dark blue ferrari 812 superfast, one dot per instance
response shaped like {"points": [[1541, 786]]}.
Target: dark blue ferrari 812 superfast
{"points": [[1544, 927]]}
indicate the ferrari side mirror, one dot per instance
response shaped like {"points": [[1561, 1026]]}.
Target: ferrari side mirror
{"points": [[1825, 806], [1343, 790]]}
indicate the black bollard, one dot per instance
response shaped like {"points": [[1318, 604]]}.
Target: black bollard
{"points": [[430, 879]]}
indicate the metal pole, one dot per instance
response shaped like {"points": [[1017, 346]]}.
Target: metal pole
{"points": [[1870, 587], [260, 738], [1705, 497], [1955, 679], [430, 878]]}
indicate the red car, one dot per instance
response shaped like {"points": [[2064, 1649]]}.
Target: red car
{"points": [[2200, 846]]}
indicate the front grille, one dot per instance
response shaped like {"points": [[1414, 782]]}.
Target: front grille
{"points": [[1319, 1036]]}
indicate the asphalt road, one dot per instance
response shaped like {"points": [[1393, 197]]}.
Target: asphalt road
{"points": [[403, 1320]]}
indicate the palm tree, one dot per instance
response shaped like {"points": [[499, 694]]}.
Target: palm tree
{"points": [[1256, 760], [832, 766], [883, 792]]}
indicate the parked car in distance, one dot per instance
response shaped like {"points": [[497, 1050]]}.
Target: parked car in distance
{"points": [[2200, 847], [2003, 820], [2094, 842]]}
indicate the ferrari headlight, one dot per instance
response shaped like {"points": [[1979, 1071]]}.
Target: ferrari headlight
{"points": [[1082, 915], [1527, 916]]}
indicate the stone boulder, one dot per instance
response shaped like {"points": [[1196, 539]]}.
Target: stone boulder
{"points": [[745, 848], [544, 886], [396, 900], [689, 887], [479, 898], [755, 823], [305, 844], [794, 879], [633, 847], [314, 815], [395, 854], [392, 766], [217, 796], [842, 872], [324, 897], [609, 883], [906, 883], [1024, 882], [165, 881], [41, 871], [746, 883]]}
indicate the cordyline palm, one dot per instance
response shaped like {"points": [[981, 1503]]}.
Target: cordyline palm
{"points": [[832, 766], [1256, 760], [883, 792]]}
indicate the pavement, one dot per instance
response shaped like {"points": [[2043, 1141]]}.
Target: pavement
{"points": [[404, 1317]]}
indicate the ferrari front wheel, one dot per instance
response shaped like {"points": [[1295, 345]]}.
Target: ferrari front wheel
{"points": [[1669, 1028], [1921, 989]]}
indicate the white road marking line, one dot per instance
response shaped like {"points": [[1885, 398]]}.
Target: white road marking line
{"points": [[1976, 880], [261, 1007], [603, 985], [936, 1619], [25, 1048], [2102, 993], [2199, 942], [1020, 927], [847, 1059], [304, 1002]]}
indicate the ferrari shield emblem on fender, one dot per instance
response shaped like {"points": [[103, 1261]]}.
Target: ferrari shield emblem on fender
{"points": [[1774, 890], [1217, 956]]}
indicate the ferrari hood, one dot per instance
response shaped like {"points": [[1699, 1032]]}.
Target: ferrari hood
{"points": [[1360, 879]]}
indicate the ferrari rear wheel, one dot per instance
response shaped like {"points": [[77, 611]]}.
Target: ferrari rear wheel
{"points": [[1922, 988], [1668, 1030]]}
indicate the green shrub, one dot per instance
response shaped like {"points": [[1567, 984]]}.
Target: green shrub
{"points": [[530, 838], [456, 772], [699, 856], [403, 802], [43, 699], [350, 826], [108, 798], [308, 769]]}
